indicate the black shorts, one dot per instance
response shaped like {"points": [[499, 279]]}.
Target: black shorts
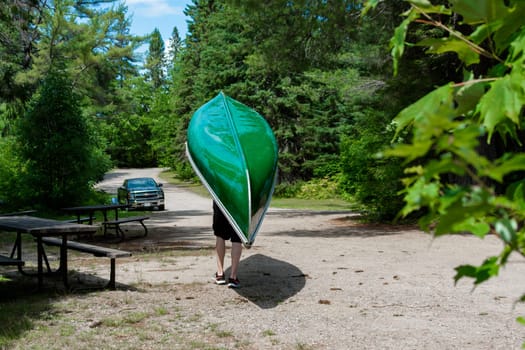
{"points": [[222, 227]]}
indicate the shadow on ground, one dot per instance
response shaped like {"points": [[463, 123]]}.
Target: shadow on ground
{"points": [[267, 282], [14, 286]]}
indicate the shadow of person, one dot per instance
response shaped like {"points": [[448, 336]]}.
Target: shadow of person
{"points": [[267, 282]]}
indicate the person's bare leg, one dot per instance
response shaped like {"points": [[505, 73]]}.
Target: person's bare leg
{"points": [[236, 257], [220, 249]]}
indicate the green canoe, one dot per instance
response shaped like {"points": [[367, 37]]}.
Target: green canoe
{"points": [[233, 151]]}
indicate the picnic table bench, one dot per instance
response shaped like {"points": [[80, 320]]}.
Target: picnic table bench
{"points": [[81, 220], [16, 213], [40, 228], [9, 261], [115, 224], [97, 251], [91, 209], [5, 261]]}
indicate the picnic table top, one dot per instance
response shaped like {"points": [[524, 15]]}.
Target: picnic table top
{"points": [[88, 208], [36, 225]]}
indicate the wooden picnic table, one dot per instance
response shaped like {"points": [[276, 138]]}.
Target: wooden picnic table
{"points": [[91, 209], [39, 228]]}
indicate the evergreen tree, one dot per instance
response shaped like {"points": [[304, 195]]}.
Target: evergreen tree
{"points": [[155, 61], [175, 46], [55, 142], [18, 25], [121, 53]]}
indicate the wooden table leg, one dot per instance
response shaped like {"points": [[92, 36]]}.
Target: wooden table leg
{"points": [[18, 248], [105, 213], [63, 260], [40, 269]]}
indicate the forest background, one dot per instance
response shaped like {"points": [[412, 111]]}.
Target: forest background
{"points": [[77, 97]]}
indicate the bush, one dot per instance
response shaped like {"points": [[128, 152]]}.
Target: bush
{"points": [[286, 190], [324, 188], [374, 183]]}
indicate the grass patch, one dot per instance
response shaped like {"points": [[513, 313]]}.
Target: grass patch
{"points": [[203, 346], [268, 333], [161, 311], [195, 187], [312, 204], [283, 203], [18, 317], [132, 318]]}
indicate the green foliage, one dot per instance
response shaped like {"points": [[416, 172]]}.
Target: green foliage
{"points": [[10, 198], [371, 181], [272, 59], [287, 190], [371, 98], [91, 43], [58, 157], [319, 188], [155, 61], [323, 188], [128, 141], [464, 156]]}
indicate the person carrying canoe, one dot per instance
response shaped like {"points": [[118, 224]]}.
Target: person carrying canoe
{"points": [[223, 231]]}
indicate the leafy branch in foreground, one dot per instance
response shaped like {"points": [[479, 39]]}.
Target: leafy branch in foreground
{"points": [[464, 159]]}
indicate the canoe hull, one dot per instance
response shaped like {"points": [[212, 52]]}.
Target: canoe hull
{"points": [[234, 152]]}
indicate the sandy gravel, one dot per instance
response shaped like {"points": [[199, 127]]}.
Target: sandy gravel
{"points": [[316, 280], [323, 281]]}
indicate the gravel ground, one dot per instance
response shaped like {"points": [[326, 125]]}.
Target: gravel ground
{"points": [[312, 280]]}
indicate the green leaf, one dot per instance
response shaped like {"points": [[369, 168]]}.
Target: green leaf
{"points": [[483, 32], [465, 271], [369, 5], [446, 164], [518, 45], [511, 29], [455, 213], [480, 11], [424, 4], [476, 227], [452, 195], [506, 165], [516, 194], [419, 195], [438, 103], [397, 43], [410, 151], [468, 96], [480, 274], [427, 7], [463, 142], [506, 230], [522, 299], [464, 51], [504, 100]]}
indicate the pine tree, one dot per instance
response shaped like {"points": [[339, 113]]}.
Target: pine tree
{"points": [[56, 146], [175, 46], [155, 60]]}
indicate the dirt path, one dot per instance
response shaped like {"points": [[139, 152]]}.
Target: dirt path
{"points": [[322, 281], [311, 281]]}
